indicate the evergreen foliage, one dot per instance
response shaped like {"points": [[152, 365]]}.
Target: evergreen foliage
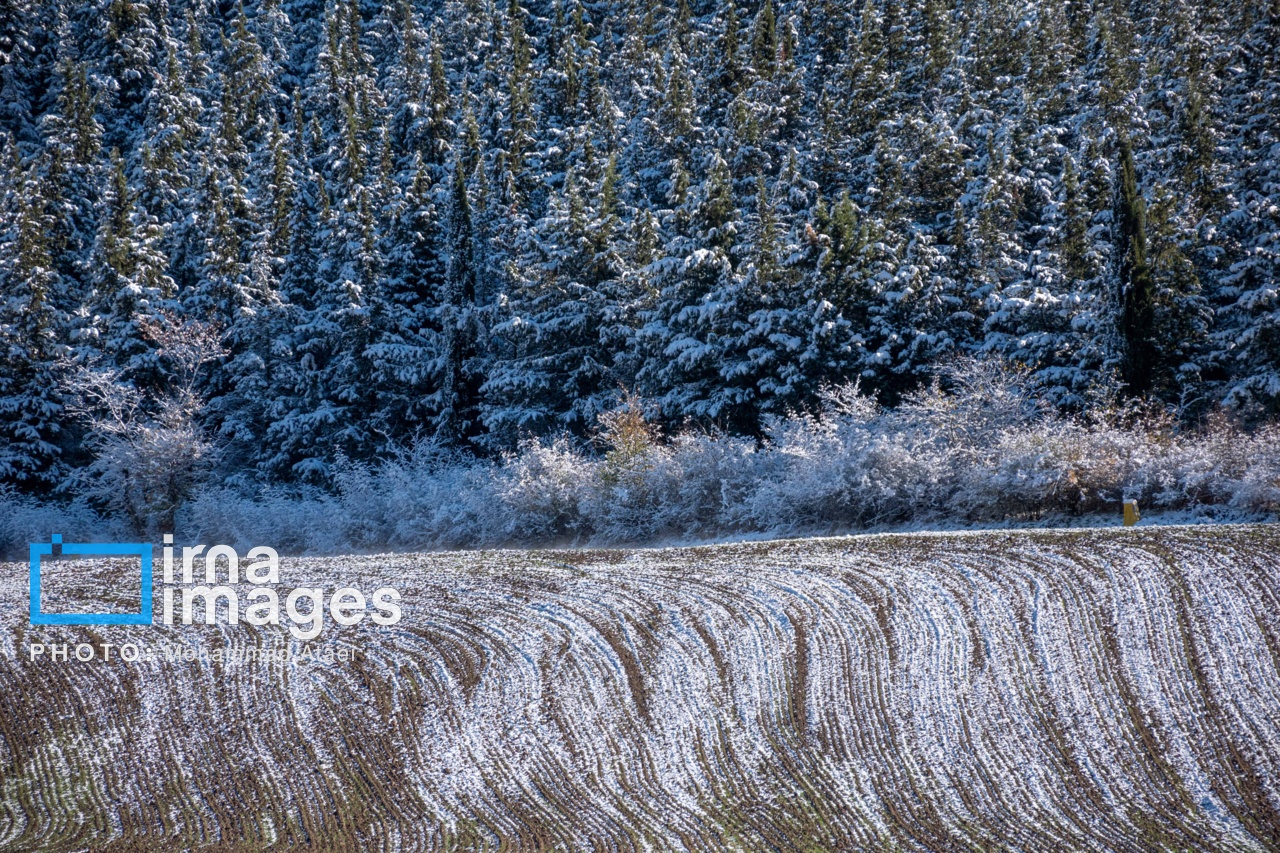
{"points": [[479, 222]]}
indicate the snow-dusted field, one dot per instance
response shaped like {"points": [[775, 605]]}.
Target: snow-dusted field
{"points": [[1048, 690]]}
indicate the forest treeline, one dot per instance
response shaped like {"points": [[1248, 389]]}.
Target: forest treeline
{"points": [[471, 221]]}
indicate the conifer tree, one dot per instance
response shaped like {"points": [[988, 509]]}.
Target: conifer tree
{"points": [[1248, 340], [130, 280], [456, 403], [34, 331], [683, 335], [404, 313], [1135, 287]]}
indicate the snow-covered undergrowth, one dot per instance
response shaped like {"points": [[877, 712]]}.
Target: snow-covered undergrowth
{"points": [[982, 453], [23, 521], [1086, 690]]}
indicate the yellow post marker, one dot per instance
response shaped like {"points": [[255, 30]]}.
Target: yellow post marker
{"points": [[1131, 515]]}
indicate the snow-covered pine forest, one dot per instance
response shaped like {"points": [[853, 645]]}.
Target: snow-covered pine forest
{"points": [[469, 223]]}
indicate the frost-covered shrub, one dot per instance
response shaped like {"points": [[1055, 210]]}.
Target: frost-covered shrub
{"points": [[810, 486], [970, 406], [23, 520], [623, 497], [629, 505], [442, 499], [540, 487], [712, 480], [307, 522], [697, 485], [1052, 465], [856, 464], [1222, 465], [150, 451], [1259, 486]]}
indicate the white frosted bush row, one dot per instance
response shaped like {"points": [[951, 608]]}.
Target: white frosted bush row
{"points": [[830, 474], [985, 450]]}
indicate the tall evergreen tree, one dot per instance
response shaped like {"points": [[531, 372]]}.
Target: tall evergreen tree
{"points": [[1135, 287], [34, 331], [456, 403], [130, 277]]}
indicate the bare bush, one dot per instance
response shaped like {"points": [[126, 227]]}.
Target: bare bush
{"points": [[150, 450]]}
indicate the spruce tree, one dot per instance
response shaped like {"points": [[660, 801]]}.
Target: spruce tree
{"points": [[34, 331], [1135, 287], [404, 313], [130, 278], [456, 403]]}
